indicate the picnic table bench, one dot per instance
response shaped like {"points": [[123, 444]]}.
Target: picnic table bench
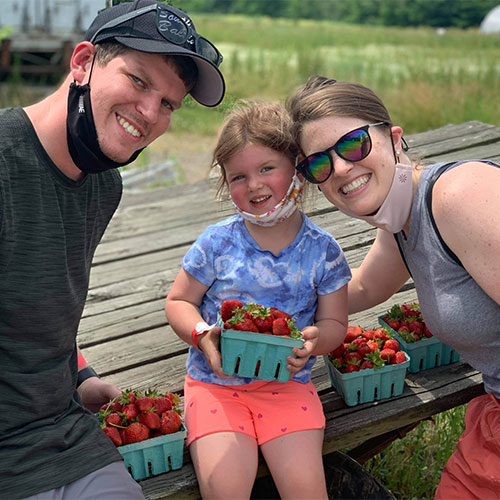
{"points": [[125, 336]]}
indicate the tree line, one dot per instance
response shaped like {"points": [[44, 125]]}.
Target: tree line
{"points": [[436, 13]]}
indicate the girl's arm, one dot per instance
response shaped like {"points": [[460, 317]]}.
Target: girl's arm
{"points": [[328, 331], [182, 308], [466, 208], [381, 274]]}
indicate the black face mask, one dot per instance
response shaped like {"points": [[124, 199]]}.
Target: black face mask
{"points": [[82, 136]]}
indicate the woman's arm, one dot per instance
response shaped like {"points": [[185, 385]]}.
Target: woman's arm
{"points": [[466, 208], [381, 274]]}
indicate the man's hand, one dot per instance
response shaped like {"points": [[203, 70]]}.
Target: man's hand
{"points": [[95, 392]]}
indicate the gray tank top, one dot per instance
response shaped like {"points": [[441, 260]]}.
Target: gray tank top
{"points": [[457, 311]]}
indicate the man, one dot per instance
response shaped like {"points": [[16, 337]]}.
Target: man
{"points": [[59, 188]]}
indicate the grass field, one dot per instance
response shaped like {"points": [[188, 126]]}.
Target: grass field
{"points": [[426, 80]]}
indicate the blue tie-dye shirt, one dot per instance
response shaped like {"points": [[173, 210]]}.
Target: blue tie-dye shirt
{"points": [[228, 260]]}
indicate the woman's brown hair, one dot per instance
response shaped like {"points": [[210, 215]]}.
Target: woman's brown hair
{"points": [[320, 97]]}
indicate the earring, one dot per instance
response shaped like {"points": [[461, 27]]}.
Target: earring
{"points": [[398, 152]]}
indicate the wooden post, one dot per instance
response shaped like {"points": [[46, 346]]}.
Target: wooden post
{"points": [[5, 54], [67, 52]]}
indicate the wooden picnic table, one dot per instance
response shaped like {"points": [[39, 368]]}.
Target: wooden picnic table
{"points": [[125, 336]]}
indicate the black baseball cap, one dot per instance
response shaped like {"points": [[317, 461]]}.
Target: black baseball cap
{"points": [[155, 27]]}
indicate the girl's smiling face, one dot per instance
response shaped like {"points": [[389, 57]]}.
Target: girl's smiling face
{"points": [[258, 178], [359, 187]]}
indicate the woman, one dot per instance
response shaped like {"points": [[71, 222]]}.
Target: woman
{"points": [[440, 223]]}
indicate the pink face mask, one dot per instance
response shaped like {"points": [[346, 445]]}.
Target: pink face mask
{"points": [[395, 210]]}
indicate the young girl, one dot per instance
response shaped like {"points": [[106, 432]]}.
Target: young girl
{"points": [[272, 254], [444, 218]]}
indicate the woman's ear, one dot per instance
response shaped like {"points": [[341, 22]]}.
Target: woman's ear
{"points": [[81, 61], [397, 138]]}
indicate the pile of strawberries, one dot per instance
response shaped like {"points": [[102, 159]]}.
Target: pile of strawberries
{"points": [[136, 416], [363, 349], [407, 320], [257, 318]]}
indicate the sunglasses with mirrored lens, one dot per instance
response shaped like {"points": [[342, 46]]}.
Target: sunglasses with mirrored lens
{"points": [[171, 27], [353, 146]]}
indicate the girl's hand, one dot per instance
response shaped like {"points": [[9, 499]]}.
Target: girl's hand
{"points": [[310, 334], [209, 344]]}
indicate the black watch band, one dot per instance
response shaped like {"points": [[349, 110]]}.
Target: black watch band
{"points": [[85, 374]]}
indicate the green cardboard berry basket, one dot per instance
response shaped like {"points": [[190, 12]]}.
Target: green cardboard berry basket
{"points": [[155, 455], [365, 386], [257, 355], [425, 353]]}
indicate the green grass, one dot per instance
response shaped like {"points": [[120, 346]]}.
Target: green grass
{"points": [[426, 80], [411, 467]]}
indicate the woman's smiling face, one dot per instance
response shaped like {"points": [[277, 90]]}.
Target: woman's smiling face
{"points": [[359, 187]]}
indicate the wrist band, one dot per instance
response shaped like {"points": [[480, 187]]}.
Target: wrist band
{"points": [[85, 374], [198, 330], [81, 360]]}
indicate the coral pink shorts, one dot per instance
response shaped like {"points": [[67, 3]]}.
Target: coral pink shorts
{"points": [[263, 410], [473, 471]]}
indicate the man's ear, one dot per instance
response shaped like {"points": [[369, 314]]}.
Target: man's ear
{"points": [[81, 62]]}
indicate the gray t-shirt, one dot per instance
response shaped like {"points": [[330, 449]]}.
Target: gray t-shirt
{"points": [[457, 311], [50, 226]]}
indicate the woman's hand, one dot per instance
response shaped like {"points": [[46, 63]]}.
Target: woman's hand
{"points": [[209, 344], [310, 334]]}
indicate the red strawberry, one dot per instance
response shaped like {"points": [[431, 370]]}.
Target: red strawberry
{"points": [[136, 432], [352, 367], [392, 344], [144, 403], [113, 419], [241, 322], [353, 332], [355, 343], [352, 356], [368, 334], [372, 344], [380, 334], [130, 411], [170, 422], [427, 332], [338, 351], [150, 420], [227, 308], [114, 435], [281, 327], [416, 327], [262, 318], [387, 355], [399, 358], [277, 313], [366, 365], [364, 349], [338, 362], [162, 404]]}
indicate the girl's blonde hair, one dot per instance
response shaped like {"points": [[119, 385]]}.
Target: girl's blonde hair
{"points": [[320, 97], [264, 124]]}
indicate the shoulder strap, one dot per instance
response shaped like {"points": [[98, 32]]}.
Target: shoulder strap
{"points": [[428, 201], [401, 252]]}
